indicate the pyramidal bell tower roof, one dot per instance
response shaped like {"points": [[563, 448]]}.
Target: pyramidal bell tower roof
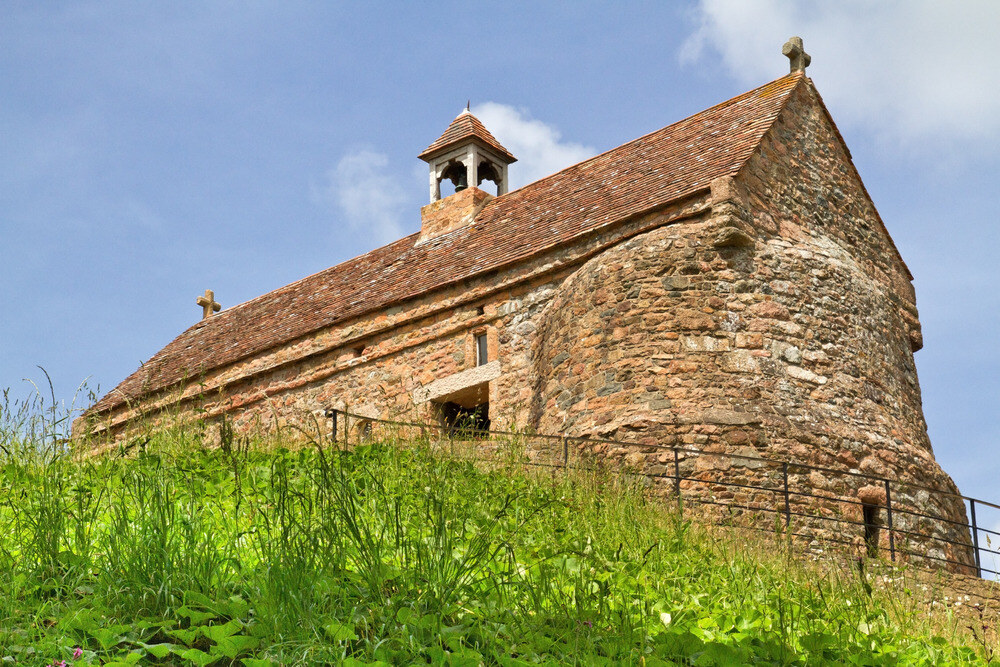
{"points": [[465, 126]]}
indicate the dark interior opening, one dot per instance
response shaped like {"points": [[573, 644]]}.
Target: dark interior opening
{"points": [[488, 173], [466, 422], [871, 519], [454, 179]]}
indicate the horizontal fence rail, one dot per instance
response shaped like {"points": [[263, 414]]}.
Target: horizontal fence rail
{"points": [[791, 498]]}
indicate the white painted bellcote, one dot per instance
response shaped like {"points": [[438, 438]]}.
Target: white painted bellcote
{"points": [[467, 154]]}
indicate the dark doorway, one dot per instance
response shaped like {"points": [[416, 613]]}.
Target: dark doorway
{"points": [[465, 422]]}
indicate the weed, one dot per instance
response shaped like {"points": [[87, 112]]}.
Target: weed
{"points": [[401, 552]]}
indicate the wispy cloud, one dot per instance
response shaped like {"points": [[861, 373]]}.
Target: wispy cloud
{"points": [[366, 194], [538, 146], [915, 71]]}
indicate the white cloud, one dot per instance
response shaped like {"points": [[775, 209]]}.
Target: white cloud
{"points": [[366, 194], [537, 146], [913, 70]]}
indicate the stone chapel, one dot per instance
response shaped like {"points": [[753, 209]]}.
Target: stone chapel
{"points": [[723, 283]]}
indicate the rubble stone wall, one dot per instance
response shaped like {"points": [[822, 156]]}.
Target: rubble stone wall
{"points": [[376, 364], [782, 326]]}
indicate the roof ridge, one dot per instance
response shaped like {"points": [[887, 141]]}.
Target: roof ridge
{"points": [[732, 100], [301, 280]]}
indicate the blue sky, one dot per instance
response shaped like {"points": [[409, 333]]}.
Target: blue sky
{"points": [[153, 150]]}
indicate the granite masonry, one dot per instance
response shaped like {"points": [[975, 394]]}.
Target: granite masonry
{"points": [[725, 284]]}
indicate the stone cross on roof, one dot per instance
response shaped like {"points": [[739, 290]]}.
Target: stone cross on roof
{"points": [[208, 304], [798, 59]]}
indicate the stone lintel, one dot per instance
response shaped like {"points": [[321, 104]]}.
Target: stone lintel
{"points": [[451, 213], [458, 385]]}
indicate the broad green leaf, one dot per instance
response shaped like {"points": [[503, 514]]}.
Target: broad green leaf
{"points": [[194, 597], [188, 637], [105, 637], [196, 617], [132, 658], [231, 647], [234, 607], [257, 662], [199, 658], [219, 632], [158, 650], [340, 632], [465, 658]]}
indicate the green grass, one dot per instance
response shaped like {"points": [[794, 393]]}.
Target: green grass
{"points": [[255, 554]]}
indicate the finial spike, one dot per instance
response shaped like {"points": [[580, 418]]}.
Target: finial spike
{"points": [[468, 104]]}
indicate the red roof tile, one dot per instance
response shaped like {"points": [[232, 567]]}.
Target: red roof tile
{"points": [[660, 167], [465, 126]]}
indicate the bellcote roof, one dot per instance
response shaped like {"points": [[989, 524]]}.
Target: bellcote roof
{"points": [[465, 127]]}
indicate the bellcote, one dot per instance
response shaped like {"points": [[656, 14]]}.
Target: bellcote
{"points": [[467, 154]]}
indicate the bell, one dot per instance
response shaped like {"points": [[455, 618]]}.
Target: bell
{"points": [[462, 181]]}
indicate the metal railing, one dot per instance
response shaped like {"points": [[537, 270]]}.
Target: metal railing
{"points": [[802, 502]]}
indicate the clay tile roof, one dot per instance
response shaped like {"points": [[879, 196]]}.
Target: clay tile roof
{"points": [[465, 126], [658, 168]]}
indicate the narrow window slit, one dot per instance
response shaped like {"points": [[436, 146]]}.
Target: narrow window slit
{"points": [[482, 350]]}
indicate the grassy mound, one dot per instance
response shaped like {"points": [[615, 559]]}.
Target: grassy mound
{"points": [[395, 554]]}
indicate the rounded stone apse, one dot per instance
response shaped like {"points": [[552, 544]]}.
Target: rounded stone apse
{"points": [[735, 350]]}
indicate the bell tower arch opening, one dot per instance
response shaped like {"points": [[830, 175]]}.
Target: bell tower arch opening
{"points": [[456, 174]]}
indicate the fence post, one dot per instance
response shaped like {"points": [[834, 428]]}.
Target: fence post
{"points": [[888, 512], [677, 482], [565, 452], [788, 505], [333, 424], [975, 536]]}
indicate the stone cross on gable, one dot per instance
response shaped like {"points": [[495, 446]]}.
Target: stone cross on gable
{"points": [[208, 304], [798, 59]]}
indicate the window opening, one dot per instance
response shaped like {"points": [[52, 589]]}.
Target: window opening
{"points": [[482, 350], [871, 520], [365, 431]]}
